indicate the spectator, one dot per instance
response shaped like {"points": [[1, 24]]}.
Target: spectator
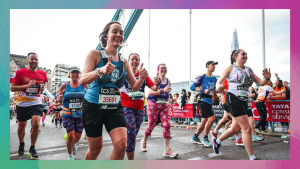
{"points": [[183, 98], [176, 95], [188, 97], [287, 88], [253, 91]]}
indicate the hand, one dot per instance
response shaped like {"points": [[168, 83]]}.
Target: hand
{"points": [[108, 68], [206, 91], [266, 73], [31, 83], [42, 87], [167, 88], [61, 97], [157, 80], [220, 88], [276, 75], [143, 72]]}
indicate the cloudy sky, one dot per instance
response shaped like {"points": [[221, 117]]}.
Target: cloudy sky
{"points": [[66, 37]]}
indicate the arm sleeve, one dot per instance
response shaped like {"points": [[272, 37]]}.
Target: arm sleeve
{"points": [[149, 82], [197, 83]]}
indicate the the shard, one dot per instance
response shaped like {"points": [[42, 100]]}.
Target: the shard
{"points": [[235, 42]]}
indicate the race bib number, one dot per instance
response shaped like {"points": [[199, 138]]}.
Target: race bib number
{"points": [[75, 104], [242, 91], [109, 98], [33, 90]]}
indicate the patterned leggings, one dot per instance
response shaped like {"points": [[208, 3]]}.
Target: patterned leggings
{"points": [[134, 119], [161, 110]]}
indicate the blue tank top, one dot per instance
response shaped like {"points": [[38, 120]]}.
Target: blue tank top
{"points": [[92, 92], [73, 101], [161, 97]]}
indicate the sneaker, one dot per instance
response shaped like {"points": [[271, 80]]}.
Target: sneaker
{"points": [[257, 131], [206, 142], [143, 146], [196, 140], [66, 137], [239, 142], [43, 124], [84, 137], [215, 145], [33, 154], [55, 126], [74, 149], [231, 138], [256, 158], [71, 158], [39, 131], [60, 126], [215, 135], [21, 150], [170, 153], [257, 138]]}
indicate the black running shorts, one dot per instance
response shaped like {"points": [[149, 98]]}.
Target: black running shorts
{"points": [[235, 106], [25, 113], [206, 109], [94, 118]]}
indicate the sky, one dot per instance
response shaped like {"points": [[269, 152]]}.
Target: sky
{"points": [[66, 37]]}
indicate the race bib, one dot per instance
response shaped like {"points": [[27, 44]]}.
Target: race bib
{"points": [[242, 91], [136, 95], [162, 100], [75, 104], [109, 98], [33, 90]]}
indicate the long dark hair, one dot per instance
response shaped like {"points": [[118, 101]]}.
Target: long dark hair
{"points": [[280, 84]]}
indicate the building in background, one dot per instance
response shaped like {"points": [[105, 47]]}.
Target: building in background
{"points": [[235, 41], [59, 76]]}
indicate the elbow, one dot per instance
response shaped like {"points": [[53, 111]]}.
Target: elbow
{"points": [[193, 87]]}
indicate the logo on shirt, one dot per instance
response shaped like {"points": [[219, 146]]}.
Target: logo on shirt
{"points": [[26, 79], [14, 75]]}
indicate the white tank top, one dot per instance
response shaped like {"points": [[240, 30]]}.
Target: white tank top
{"points": [[235, 87]]}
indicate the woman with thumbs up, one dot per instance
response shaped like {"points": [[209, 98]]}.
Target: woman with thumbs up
{"points": [[133, 103], [105, 71]]}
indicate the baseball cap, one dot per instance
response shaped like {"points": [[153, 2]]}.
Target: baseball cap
{"points": [[211, 62], [74, 68]]}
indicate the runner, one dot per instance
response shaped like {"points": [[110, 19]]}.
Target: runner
{"points": [[206, 86], [56, 104], [29, 82], [106, 71], [45, 108], [158, 105], [133, 104], [260, 103], [72, 94], [240, 78]]}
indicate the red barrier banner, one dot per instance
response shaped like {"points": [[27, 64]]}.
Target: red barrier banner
{"points": [[186, 112], [278, 111]]}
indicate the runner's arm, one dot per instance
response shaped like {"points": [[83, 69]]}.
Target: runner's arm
{"points": [[14, 87], [259, 81], [224, 75], [91, 61], [135, 84]]}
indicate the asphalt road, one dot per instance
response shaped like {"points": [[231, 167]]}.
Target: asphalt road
{"points": [[51, 146]]}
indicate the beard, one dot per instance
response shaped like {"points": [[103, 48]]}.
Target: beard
{"points": [[33, 66]]}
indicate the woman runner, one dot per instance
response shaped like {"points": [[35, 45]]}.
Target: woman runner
{"points": [[106, 71]]}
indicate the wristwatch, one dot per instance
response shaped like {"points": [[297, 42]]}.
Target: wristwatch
{"points": [[97, 72]]}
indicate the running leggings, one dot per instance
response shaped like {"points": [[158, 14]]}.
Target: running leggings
{"points": [[161, 110], [262, 110], [134, 119]]}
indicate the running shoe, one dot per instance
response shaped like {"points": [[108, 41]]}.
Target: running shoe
{"points": [[60, 126], [170, 153], [43, 124], [21, 150], [55, 126], [231, 138], [239, 142], [215, 146], [215, 135], [257, 138], [84, 137], [40, 131], [74, 149], [256, 158], [206, 142], [66, 137], [257, 131], [33, 154], [143, 146], [196, 140], [70, 158]]}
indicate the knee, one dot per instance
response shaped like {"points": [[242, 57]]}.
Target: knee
{"points": [[120, 145], [71, 135], [95, 151], [35, 124], [212, 119], [247, 129], [236, 129]]}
